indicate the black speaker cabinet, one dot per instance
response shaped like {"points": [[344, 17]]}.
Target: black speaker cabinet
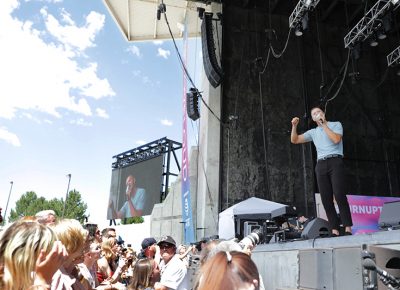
{"points": [[316, 228]]}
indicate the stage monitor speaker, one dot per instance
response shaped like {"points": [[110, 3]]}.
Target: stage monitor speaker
{"points": [[211, 67], [316, 228], [390, 215]]}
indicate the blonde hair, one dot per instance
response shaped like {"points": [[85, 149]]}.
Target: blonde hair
{"points": [[20, 247], [106, 249], [71, 234]]}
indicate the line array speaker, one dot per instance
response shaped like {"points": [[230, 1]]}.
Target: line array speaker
{"points": [[211, 67]]}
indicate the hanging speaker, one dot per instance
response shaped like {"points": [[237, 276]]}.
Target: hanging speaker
{"points": [[192, 104], [211, 67]]}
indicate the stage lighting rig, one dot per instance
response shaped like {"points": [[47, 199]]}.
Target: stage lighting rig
{"points": [[300, 10], [393, 58], [369, 23]]}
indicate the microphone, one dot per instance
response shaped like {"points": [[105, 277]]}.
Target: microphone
{"points": [[369, 264]]}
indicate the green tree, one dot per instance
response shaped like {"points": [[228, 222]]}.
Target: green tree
{"points": [[75, 208], [29, 204], [132, 220]]}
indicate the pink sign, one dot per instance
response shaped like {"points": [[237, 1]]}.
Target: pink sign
{"points": [[365, 212]]}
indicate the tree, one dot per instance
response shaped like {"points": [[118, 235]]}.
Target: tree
{"points": [[132, 220], [29, 204]]}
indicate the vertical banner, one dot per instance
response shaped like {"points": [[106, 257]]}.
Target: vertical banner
{"points": [[186, 200]]}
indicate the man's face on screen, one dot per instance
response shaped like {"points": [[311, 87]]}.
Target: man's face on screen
{"points": [[130, 183]]}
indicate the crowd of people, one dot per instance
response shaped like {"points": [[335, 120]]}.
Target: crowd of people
{"points": [[43, 252]]}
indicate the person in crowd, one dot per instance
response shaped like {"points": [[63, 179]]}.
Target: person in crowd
{"points": [[130, 256], [183, 254], [75, 239], [229, 270], [173, 270], [94, 231], [149, 248], [46, 217], [29, 256], [108, 233], [207, 249], [142, 274], [87, 269], [107, 268], [135, 200], [328, 140]]}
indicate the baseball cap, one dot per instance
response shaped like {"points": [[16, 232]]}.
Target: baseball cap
{"points": [[168, 240], [147, 242]]}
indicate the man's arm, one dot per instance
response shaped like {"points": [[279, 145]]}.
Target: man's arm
{"points": [[294, 137], [334, 137], [133, 210]]}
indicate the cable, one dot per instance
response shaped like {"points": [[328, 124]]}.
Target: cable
{"points": [[320, 57], [278, 55], [187, 75], [341, 83]]}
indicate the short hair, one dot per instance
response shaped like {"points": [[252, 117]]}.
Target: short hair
{"points": [[71, 233], [142, 273], [20, 247], [105, 231], [228, 270]]}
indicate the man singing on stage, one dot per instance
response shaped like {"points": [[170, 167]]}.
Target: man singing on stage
{"points": [[327, 138]]}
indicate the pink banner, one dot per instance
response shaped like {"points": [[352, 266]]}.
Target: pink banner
{"points": [[365, 212]]}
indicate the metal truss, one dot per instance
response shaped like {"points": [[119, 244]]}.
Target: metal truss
{"points": [[299, 11], [394, 57], [369, 23], [145, 152]]}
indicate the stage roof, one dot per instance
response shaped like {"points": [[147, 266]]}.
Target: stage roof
{"points": [[137, 19]]}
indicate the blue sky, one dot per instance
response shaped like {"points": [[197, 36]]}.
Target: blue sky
{"points": [[74, 93]]}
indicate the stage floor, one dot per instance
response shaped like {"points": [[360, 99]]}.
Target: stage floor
{"points": [[324, 263]]}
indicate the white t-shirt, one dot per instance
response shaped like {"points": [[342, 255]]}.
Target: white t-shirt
{"points": [[174, 274]]}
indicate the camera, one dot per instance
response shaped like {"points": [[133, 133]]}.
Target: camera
{"points": [[252, 239]]}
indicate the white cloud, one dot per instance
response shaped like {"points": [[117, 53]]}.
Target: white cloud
{"points": [[47, 77], [9, 137], [163, 53], [73, 36], [133, 49], [102, 113], [81, 122], [136, 73], [31, 117], [158, 42], [140, 142], [166, 122]]}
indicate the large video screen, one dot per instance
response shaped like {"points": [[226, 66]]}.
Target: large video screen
{"points": [[135, 189]]}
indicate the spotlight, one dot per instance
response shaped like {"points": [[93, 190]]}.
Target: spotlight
{"points": [[381, 34], [301, 26], [372, 41], [299, 30]]}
